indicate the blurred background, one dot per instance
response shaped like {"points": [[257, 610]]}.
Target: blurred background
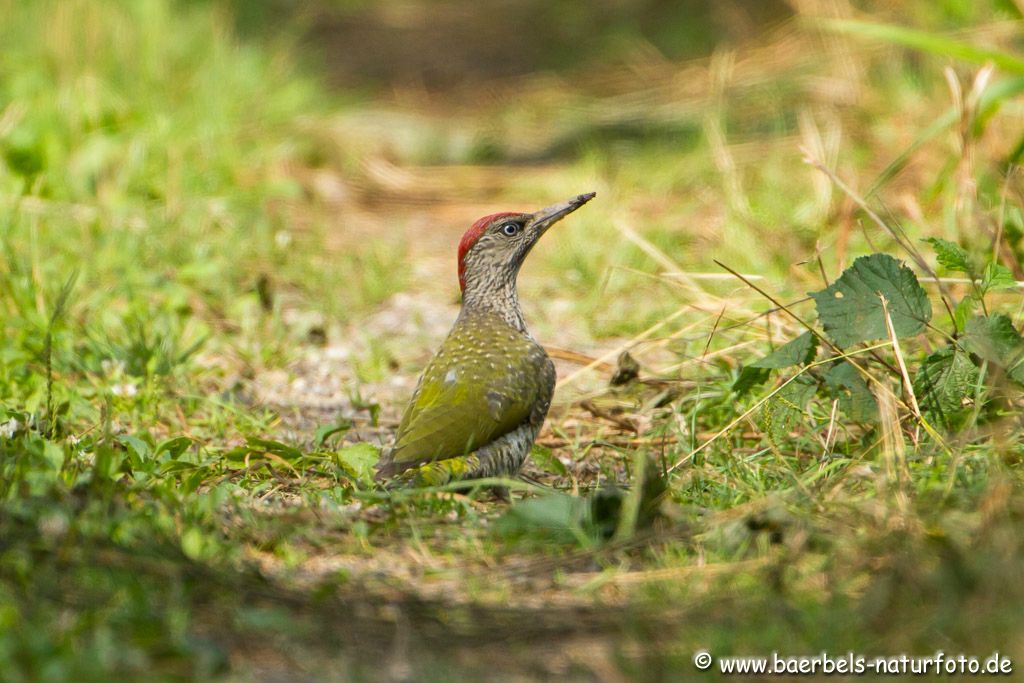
{"points": [[228, 220], [334, 151], [311, 159]]}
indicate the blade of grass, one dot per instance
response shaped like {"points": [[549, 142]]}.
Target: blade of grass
{"points": [[907, 384], [750, 411], [933, 43], [988, 103]]}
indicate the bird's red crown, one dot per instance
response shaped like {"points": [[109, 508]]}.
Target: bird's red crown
{"points": [[471, 236]]}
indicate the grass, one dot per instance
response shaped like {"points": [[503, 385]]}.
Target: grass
{"points": [[220, 278]]}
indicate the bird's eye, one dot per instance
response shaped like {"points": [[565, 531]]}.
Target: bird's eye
{"points": [[510, 229]]}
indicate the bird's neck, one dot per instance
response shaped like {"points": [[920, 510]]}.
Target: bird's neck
{"points": [[496, 297]]}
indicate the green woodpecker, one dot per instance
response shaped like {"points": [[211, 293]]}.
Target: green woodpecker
{"points": [[482, 399]]}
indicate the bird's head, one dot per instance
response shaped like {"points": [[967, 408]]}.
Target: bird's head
{"points": [[494, 248]]}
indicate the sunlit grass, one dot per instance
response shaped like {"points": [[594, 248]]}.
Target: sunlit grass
{"points": [[231, 229]]}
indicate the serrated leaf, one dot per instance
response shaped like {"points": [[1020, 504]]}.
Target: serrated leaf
{"points": [[850, 308], [997, 276], [783, 410], [963, 311], [797, 351], [994, 338], [749, 378], [358, 460], [855, 398], [950, 255], [942, 382]]}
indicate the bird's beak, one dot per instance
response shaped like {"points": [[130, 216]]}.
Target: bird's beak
{"points": [[545, 218]]}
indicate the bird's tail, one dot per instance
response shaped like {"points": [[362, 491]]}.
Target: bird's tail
{"points": [[436, 473]]}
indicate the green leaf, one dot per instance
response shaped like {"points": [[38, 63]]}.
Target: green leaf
{"points": [[177, 466], [995, 339], [173, 447], [327, 431], [749, 378], [997, 276], [137, 446], [797, 351], [945, 378], [850, 308], [53, 454], [963, 311], [555, 517], [277, 448], [783, 410], [855, 398], [546, 460], [358, 460], [194, 543], [236, 454], [950, 255]]}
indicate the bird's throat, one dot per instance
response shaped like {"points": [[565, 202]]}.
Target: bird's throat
{"points": [[500, 298]]}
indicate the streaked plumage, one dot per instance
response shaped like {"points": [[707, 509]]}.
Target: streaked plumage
{"points": [[482, 399]]}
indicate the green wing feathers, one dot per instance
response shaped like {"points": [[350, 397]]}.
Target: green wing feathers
{"points": [[485, 381]]}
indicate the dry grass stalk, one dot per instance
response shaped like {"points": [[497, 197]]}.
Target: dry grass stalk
{"points": [[754, 408], [893, 448], [908, 386]]}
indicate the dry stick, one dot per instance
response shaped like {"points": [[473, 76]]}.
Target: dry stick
{"points": [[831, 425], [618, 442], [907, 384], [555, 442], [711, 336], [900, 239], [821, 265], [278, 458], [750, 411]]}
